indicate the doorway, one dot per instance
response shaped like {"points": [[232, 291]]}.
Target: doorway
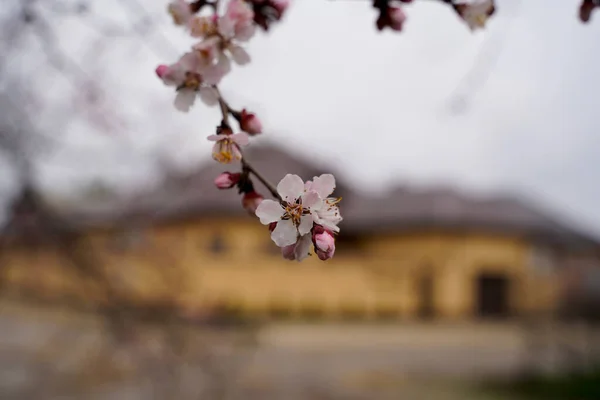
{"points": [[493, 296]]}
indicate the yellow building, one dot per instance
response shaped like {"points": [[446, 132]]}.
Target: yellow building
{"points": [[411, 253]]}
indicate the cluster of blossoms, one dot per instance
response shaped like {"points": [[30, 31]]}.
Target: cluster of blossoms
{"points": [[474, 12], [221, 37], [304, 214]]}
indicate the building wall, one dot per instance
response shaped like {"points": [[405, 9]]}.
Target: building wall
{"points": [[220, 261]]}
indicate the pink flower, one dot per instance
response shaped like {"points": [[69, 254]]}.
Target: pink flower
{"points": [[328, 214], [181, 11], [299, 250], [250, 123], [324, 243], [227, 180], [476, 14], [293, 215], [393, 18], [185, 77], [238, 21], [251, 201], [226, 148], [202, 26]]}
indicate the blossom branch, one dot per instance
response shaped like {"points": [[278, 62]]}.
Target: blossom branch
{"points": [[247, 167], [303, 213]]}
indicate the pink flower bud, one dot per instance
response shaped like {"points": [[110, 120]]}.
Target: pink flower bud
{"points": [[161, 70], [396, 18], [393, 17], [250, 123], [324, 243], [250, 201], [227, 180]]}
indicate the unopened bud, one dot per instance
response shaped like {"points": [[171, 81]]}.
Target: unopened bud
{"points": [[324, 243], [250, 123], [227, 180], [161, 70], [585, 10], [250, 201], [393, 18]]}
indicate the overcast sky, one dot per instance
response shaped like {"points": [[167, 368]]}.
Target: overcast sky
{"points": [[378, 106]]}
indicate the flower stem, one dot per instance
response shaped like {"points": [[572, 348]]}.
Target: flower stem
{"points": [[225, 111]]}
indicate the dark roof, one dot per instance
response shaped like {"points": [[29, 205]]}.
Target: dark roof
{"points": [[193, 194], [406, 208]]}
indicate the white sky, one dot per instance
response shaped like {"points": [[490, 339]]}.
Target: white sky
{"points": [[376, 105]]}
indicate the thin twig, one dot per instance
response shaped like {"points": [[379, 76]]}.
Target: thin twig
{"points": [[225, 111]]}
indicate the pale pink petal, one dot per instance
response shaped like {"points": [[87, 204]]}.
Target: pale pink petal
{"points": [[269, 211], [311, 200], [216, 138], [237, 154], [306, 224], [209, 96], [184, 100], [288, 252], [327, 223], [239, 55], [213, 74], [324, 185], [245, 32], [307, 185], [290, 188], [285, 233], [302, 249], [241, 139], [227, 26]]}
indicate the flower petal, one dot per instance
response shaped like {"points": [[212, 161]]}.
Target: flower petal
{"points": [[209, 96], [241, 139], [302, 249], [239, 55], [245, 33], [269, 211], [184, 100], [323, 185], [312, 200], [306, 224], [290, 188], [227, 26], [216, 138], [285, 233]]}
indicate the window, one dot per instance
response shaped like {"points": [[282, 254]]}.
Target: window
{"points": [[129, 240], [217, 244]]}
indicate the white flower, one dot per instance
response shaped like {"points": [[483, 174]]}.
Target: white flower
{"points": [[328, 214], [184, 75], [293, 215], [226, 147]]}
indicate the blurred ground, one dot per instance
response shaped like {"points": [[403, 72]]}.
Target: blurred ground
{"points": [[409, 361]]}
